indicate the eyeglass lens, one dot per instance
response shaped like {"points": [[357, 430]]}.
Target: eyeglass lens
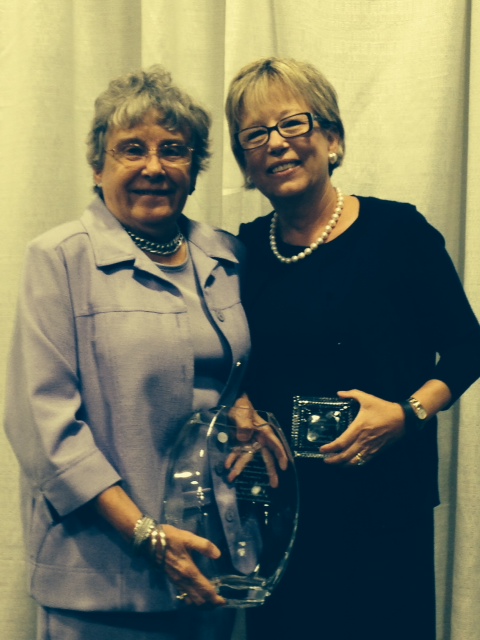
{"points": [[169, 153], [289, 127]]}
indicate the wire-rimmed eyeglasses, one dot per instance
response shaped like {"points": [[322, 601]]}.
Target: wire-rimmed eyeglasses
{"points": [[289, 127], [132, 154]]}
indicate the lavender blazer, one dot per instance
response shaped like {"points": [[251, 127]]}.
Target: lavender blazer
{"points": [[100, 380]]}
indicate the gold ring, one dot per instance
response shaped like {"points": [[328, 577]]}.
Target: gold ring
{"points": [[182, 596]]}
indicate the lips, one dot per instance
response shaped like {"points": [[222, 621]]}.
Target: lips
{"points": [[152, 192], [280, 167]]}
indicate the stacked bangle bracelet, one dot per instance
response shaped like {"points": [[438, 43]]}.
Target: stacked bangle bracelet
{"points": [[146, 534], [158, 534]]}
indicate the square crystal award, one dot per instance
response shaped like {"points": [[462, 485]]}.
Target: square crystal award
{"points": [[317, 421]]}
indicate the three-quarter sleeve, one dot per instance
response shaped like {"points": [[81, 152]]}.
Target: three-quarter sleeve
{"points": [[444, 313]]}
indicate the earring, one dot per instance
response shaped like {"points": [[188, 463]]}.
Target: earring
{"points": [[332, 157], [248, 182]]}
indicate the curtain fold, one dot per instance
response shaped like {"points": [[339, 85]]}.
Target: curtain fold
{"points": [[408, 78], [465, 593]]}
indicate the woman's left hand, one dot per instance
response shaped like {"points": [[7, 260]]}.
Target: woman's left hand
{"points": [[378, 424], [254, 436]]}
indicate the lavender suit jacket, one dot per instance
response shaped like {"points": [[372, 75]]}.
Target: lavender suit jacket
{"points": [[100, 380]]}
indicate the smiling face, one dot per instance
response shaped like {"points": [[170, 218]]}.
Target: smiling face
{"points": [[287, 168], [150, 198]]}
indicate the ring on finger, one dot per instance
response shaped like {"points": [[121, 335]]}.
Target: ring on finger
{"points": [[251, 450], [359, 460], [182, 596]]}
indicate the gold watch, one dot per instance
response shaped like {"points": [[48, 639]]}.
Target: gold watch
{"points": [[418, 408]]}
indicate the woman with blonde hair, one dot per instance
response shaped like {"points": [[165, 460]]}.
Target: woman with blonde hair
{"points": [[361, 333]]}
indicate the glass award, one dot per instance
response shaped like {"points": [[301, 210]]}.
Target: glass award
{"points": [[317, 421], [231, 479]]}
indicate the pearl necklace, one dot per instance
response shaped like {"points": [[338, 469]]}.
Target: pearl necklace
{"points": [[321, 240], [158, 248]]}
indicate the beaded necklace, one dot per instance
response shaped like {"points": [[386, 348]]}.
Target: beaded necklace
{"points": [[310, 249], [158, 248]]}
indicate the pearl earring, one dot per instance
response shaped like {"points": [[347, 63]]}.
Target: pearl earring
{"points": [[332, 157]]}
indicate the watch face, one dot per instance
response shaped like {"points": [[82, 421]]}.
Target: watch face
{"points": [[421, 413]]}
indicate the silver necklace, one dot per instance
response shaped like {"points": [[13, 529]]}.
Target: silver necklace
{"points": [[310, 249], [158, 248]]}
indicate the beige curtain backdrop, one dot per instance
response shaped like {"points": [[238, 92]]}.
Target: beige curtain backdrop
{"points": [[408, 77]]}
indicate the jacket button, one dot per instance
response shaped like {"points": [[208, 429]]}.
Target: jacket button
{"points": [[220, 316]]}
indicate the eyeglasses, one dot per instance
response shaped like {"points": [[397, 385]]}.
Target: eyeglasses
{"points": [[133, 154], [289, 127]]}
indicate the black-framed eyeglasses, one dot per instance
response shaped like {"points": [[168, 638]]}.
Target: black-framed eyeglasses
{"points": [[289, 127], [133, 154]]}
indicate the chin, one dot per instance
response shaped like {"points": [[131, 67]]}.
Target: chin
{"points": [[154, 215], [285, 191]]}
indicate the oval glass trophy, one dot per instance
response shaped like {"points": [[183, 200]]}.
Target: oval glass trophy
{"points": [[231, 479]]}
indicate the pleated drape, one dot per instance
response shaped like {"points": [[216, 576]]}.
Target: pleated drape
{"points": [[408, 78]]}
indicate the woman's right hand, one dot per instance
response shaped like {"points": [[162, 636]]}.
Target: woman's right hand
{"points": [[192, 585], [117, 508]]}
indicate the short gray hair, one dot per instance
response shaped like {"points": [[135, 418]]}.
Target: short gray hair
{"points": [[300, 79], [127, 100]]}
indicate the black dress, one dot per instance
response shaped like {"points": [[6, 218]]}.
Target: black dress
{"points": [[370, 310]]}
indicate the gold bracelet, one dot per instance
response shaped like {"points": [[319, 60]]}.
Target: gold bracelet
{"points": [[163, 542], [153, 544], [155, 534]]}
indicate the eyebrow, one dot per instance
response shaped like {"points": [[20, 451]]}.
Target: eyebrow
{"points": [[286, 114], [131, 137]]}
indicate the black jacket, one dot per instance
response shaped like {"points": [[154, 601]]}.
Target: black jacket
{"points": [[380, 309]]}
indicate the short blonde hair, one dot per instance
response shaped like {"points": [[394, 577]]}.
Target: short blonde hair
{"points": [[299, 78], [127, 100]]}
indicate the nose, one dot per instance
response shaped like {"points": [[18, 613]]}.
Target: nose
{"points": [[276, 142], [153, 165]]}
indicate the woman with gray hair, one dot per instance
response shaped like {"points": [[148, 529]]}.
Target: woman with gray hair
{"points": [[361, 333], [128, 320]]}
